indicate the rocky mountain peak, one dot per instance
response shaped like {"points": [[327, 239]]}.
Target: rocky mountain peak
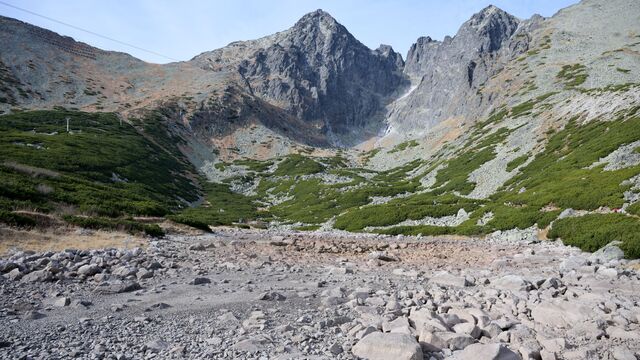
{"points": [[488, 28], [387, 52], [320, 22], [317, 17]]}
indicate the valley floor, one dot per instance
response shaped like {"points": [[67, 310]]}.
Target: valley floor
{"points": [[284, 295]]}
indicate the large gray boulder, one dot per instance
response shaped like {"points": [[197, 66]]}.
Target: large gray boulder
{"points": [[37, 276], [447, 279], [486, 352], [560, 313], [512, 283], [608, 253], [117, 287], [388, 346]]}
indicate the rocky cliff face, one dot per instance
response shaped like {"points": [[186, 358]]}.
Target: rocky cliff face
{"points": [[447, 74], [317, 71]]}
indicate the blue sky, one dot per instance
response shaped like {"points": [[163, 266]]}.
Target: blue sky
{"points": [[185, 28]]}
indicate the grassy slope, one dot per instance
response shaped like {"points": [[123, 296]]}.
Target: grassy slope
{"points": [[101, 168], [558, 178], [74, 173]]}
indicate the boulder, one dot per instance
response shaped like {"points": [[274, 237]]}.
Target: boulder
{"points": [[251, 345], [445, 278], [14, 275], [116, 287], [200, 281], [89, 270], [62, 302], [469, 329], [560, 313], [125, 271], [156, 346], [486, 352], [37, 276], [389, 346], [609, 252], [436, 341], [272, 296], [426, 319], [511, 282]]}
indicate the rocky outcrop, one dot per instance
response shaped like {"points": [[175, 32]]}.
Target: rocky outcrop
{"points": [[317, 71], [447, 74]]}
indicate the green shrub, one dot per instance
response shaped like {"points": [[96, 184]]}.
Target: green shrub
{"points": [[414, 207], [298, 165], [14, 219], [101, 223], [222, 207], [103, 167], [517, 162], [591, 232], [404, 145], [153, 230], [634, 209], [573, 75]]}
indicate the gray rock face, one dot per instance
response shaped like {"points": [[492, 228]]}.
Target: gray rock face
{"points": [[447, 74], [316, 70]]}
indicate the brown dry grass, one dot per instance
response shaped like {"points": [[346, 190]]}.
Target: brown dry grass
{"points": [[56, 239]]}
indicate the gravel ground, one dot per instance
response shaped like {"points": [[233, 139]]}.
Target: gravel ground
{"points": [[257, 294]]}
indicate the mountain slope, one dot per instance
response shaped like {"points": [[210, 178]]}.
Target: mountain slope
{"points": [[557, 134], [511, 124], [313, 84], [446, 75], [317, 71]]}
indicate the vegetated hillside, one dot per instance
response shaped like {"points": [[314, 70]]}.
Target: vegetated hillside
{"points": [[539, 131], [574, 177], [103, 168]]}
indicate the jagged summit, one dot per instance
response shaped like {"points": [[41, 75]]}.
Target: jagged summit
{"points": [[492, 25], [317, 17]]}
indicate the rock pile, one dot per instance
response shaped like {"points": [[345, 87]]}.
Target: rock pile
{"points": [[251, 295]]}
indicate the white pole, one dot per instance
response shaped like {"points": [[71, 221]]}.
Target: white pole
{"points": [[67, 124]]}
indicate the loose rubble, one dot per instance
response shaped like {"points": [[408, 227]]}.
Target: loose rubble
{"points": [[257, 294]]}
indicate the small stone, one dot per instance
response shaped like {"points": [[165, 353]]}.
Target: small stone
{"points": [[116, 287], [336, 349], [200, 281], [272, 296], [62, 302], [33, 315]]}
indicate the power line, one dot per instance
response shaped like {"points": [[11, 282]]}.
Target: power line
{"points": [[88, 31]]}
